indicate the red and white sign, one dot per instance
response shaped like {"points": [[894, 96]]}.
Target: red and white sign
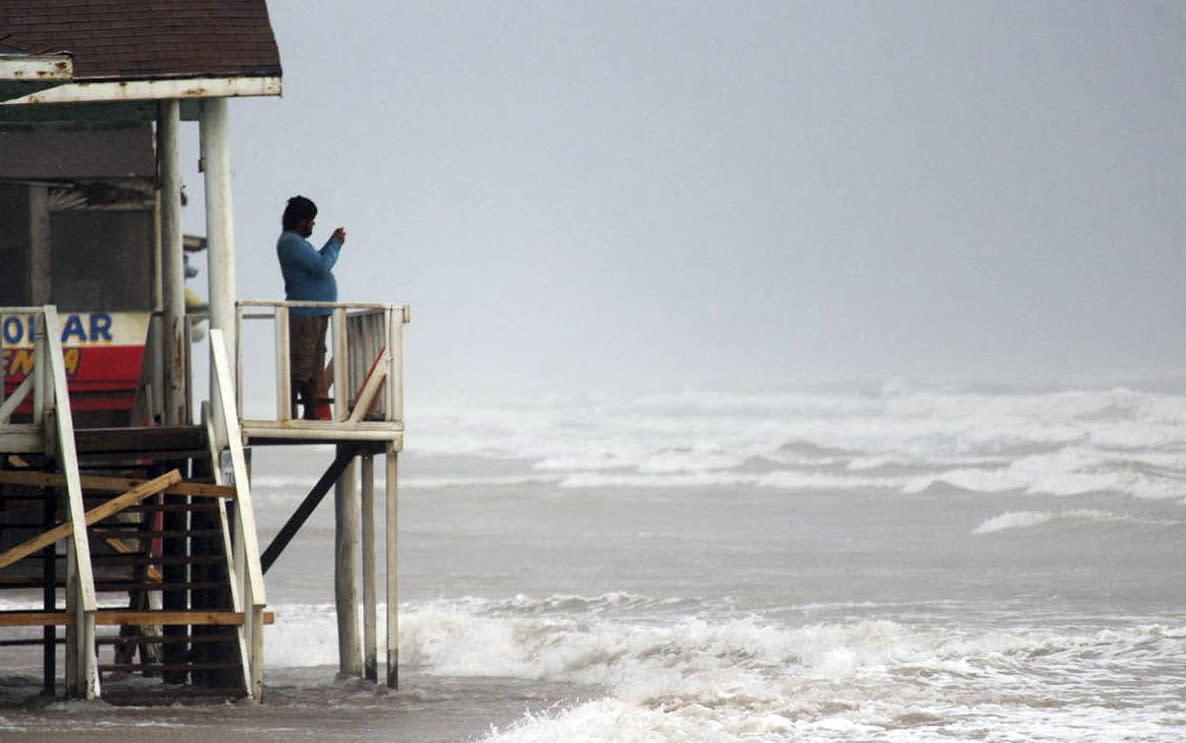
{"points": [[103, 352]]}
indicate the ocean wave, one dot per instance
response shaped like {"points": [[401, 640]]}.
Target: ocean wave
{"points": [[1068, 471], [1027, 519], [675, 670], [587, 431], [778, 479], [1057, 443], [744, 678], [637, 480]]}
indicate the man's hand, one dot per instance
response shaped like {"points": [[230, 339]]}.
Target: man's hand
{"points": [[340, 233]]}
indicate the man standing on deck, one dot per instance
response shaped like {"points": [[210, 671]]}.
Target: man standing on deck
{"points": [[307, 278]]}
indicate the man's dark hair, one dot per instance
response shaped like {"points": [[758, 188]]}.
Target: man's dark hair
{"points": [[299, 210]]}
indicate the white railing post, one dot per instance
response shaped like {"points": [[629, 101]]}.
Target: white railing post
{"points": [[81, 584], [395, 375], [233, 548], [254, 595], [341, 366], [238, 357], [41, 379], [283, 367]]}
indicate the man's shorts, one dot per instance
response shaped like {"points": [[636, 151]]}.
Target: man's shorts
{"points": [[306, 346]]}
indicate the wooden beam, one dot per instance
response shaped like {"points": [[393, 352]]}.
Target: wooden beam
{"points": [[104, 484], [370, 389], [108, 617], [120, 617], [110, 508]]}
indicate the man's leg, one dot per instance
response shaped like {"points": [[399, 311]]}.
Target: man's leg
{"points": [[302, 348], [315, 388]]}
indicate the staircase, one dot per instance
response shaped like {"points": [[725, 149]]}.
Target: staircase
{"points": [[166, 625], [131, 543]]}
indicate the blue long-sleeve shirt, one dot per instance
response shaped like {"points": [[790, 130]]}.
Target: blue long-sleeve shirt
{"points": [[307, 272]]}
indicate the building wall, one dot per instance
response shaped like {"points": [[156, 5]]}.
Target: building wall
{"points": [[102, 260], [14, 245], [76, 215]]}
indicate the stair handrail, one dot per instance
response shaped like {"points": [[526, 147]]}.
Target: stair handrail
{"points": [[248, 569], [52, 399]]}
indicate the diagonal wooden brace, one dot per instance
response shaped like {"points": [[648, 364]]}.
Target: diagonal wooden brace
{"points": [[96, 514]]}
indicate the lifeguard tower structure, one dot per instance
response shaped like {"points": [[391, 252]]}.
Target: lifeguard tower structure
{"points": [[127, 530]]}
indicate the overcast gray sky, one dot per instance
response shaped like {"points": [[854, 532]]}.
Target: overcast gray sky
{"points": [[606, 194]]}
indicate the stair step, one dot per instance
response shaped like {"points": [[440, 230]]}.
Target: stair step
{"points": [[172, 507], [194, 666], [112, 532], [116, 585], [127, 586], [142, 559], [168, 693], [166, 639]]}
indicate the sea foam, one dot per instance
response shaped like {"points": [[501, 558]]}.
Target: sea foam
{"points": [[706, 678]]}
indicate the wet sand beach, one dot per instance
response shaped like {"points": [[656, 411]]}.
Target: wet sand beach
{"points": [[300, 704]]}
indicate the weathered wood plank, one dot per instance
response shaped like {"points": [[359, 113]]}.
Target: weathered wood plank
{"points": [[104, 484], [119, 617], [21, 438], [111, 507]]}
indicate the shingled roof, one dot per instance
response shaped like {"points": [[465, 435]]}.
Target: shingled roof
{"points": [[146, 39]]}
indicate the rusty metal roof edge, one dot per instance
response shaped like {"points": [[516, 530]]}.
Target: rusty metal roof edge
{"points": [[58, 66], [116, 90]]}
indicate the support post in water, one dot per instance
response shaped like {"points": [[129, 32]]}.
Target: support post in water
{"points": [[392, 529], [370, 652], [346, 521]]}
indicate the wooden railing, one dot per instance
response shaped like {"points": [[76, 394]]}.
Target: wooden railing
{"points": [[52, 431], [242, 547], [365, 372]]}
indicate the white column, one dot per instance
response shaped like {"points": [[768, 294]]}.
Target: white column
{"points": [[370, 658], [347, 520], [172, 263], [220, 239], [391, 459]]}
